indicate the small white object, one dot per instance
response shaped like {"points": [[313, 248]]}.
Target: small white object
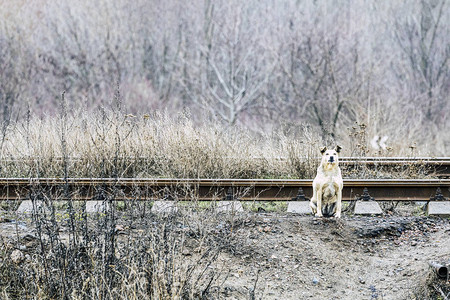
{"points": [[374, 142]]}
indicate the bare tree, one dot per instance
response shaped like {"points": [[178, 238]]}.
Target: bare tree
{"points": [[16, 71], [234, 67], [423, 38], [325, 79]]}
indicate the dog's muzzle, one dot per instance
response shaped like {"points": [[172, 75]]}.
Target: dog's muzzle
{"points": [[331, 159]]}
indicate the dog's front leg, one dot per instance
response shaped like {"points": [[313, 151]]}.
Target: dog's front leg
{"points": [[338, 204], [313, 201], [319, 202]]}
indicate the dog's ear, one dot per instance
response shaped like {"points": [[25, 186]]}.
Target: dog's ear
{"points": [[338, 148], [323, 149]]}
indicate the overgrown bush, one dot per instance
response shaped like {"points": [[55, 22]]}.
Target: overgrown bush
{"points": [[115, 254]]}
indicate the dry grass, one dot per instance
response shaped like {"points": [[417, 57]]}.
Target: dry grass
{"points": [[112, 144], [85, 48], [107, 144]]}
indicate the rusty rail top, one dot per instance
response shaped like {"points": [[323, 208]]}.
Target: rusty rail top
{"points": [[213, 189]]}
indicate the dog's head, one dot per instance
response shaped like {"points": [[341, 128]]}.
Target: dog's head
{"points": [[330, 157]]}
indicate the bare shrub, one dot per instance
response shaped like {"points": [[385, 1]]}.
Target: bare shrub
{"points": [[142, 256]]}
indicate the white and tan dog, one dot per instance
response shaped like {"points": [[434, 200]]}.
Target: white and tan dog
{"points": [[327, 186]]}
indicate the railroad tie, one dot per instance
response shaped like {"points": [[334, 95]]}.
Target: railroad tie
{"points": [[26, 207], [366, 205], [299, 204], [230, 203], [166, 205], [438, 205]]}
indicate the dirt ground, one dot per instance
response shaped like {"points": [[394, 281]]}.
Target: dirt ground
{"points": [[285, 256], [301, 257]]}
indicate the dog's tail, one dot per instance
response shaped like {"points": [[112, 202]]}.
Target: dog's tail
{"points": [[329, 210]]}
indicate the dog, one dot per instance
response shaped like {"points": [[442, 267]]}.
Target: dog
{"points": [[327, 186]]}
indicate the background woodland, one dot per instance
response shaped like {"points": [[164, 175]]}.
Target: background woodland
{"points": [[337, 67]]}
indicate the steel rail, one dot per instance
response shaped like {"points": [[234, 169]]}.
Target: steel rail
{"points": [[212, 189]]}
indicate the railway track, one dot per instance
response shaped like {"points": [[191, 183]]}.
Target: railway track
{"points": [[214, 189]]}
